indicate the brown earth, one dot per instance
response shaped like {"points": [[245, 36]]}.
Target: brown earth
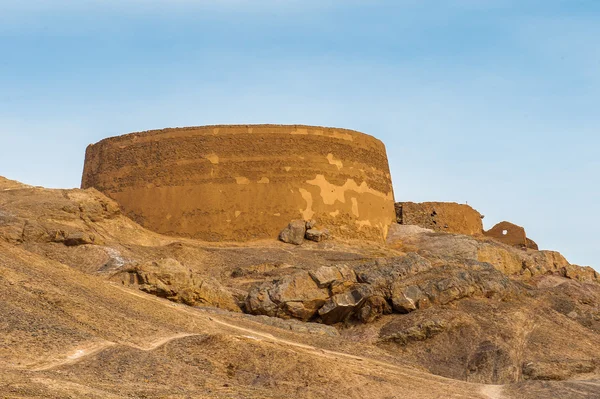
{"points": [[93, 305], [448, 217], [241, 183]]}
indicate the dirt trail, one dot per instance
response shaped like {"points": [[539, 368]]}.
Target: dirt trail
{"points": [[91, 349], [324, 353], [79, 354], [74, 356], [492, 391]]}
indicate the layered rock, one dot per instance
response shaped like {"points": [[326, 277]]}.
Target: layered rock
{"points": [[402, 285], [511, 261], [167, 278]]}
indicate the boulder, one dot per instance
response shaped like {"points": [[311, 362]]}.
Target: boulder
{"points": [[406, 299], [258, 301], [311, 224], [300, 295], [373, 307], [336, 278], [317, 235], [297, 296], [294, 233], [339, 307]]}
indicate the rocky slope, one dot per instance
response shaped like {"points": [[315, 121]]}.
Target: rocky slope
{"points": [[93, 305]]}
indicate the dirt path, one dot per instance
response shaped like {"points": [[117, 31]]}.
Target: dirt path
{"points": [[492, 391], [74, 356], [485, 391], [91, 349]]}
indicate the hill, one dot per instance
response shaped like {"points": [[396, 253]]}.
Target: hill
{"points": [[93, 305]]}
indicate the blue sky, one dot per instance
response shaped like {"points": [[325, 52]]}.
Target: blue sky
{"points": [[492, 102]]}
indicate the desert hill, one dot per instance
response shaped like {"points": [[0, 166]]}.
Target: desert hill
{"points": [[93, 305]]}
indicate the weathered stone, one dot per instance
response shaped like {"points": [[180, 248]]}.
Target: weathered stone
{"points": [[372, 308], [406, 299], [326, 276], [490, 362], [341, 306], [311, 224], [167, 278], [382, 273], [34, 231], [317, 235], [504, 259], [546, 262], [258, 302], [294, 233], [296, 296]]}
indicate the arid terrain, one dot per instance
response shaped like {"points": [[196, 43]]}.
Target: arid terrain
{"points": [[92, 305]]}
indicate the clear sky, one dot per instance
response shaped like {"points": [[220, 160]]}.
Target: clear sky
{"points": [[491, 102]]}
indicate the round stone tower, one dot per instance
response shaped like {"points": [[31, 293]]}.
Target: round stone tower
{"points": [[240, 183]]}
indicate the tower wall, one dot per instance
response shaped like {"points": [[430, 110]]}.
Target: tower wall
{"points": [[243, 183]]}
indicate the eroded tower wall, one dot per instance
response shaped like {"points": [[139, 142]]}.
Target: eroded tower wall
{"points": [[246, 182]]}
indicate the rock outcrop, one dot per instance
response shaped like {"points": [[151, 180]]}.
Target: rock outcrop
{"points": [[404, 284], [511, 261], [167, 278], [466, 307]]}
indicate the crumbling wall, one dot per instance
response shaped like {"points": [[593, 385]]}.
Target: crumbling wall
{"points": [[511, 234], [246, 182], [448, 217]]}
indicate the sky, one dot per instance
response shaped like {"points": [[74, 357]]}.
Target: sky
{"points": [[494, 103]]}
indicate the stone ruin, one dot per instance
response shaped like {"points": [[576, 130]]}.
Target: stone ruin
{"points": [[247, 182], [511, 234], [447, 217], [450, 217]]}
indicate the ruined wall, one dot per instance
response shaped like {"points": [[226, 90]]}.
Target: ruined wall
{"points": [[246, 182], [448, 217], [511, 234]]}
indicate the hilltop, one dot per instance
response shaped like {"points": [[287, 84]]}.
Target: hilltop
{"points": [[94, 305]]}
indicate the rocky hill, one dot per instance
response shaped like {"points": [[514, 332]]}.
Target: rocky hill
{"points": [[93, 305]]}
